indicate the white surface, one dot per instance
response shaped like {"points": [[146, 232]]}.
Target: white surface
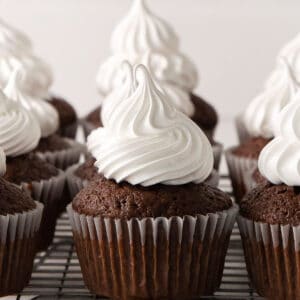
{"points": [[233, 42]]}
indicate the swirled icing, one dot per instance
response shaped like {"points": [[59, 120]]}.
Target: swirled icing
{"points": [[19, 131], [146, 141]]}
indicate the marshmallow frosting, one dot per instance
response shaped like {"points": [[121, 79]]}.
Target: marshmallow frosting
{"points": [[45, 113], [261, 114], [146, 141], [19, 131], [279, 161], [143, 38]]}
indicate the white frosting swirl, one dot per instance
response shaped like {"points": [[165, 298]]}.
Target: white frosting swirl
{"points": [[19, 131], [261, 114], [2, 162], [279, 161], [143, 38], [45, 113], [147, 141], [14, 39]]}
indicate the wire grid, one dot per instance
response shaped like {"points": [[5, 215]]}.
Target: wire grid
{"points": [[57, 272]]}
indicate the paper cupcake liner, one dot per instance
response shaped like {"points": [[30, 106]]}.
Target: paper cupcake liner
{"points": [[217, 151], [272, 254], [76, 184], [64, 158], [69, 131], [49, 192], [240, 171], [18, 236], [88, 127], [152, 258], [242, 131]]}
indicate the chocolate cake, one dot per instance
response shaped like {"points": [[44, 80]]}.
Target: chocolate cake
{"points": [[251, 148], [87, 170], [14, 199], [28, 168], [272, 204], [106, 198], [205, 116], [52, 143]]}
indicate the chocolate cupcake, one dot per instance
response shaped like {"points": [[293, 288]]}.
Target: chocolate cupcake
{"points": [[20, 219], [61, 152], [160, 51], [68, 122], [259, 119], [147, 226], [20, 134], [269, 215]]}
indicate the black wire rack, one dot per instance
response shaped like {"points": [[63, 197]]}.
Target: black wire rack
{"points": [[57, 272]]}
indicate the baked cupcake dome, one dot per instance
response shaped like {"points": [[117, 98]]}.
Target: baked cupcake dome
{"points": [[159, 213], [269, 215], [20, 219]]}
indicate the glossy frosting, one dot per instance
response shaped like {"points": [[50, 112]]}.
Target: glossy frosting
{"points": [[2, 162], [147, 141], [279, 161], [261, 114], [19, 131], [45, 113], [143, 38]]}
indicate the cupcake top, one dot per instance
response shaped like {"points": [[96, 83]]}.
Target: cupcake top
{"points": [[142, 37], [146, 141], [279, 161], [45, 113], [13, 199], [19, 130], [16, 50], [261, 114]]}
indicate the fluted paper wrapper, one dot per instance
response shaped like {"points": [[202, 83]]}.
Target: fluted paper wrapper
{"points": [[48, 192], [18, 236], [217, 151], [172, 258], [76, 184], [87, 127], [240, 171], [272, 253], [242, 131], [64, 158], [69, 131]]}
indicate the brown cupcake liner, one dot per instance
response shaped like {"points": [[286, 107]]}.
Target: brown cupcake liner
{"points": [[152, 258], [242, 131], [69, 131], [88, 127], [217, 151], [272, 253], [64, 158], [18, 237], [240, 172], [76, 184], [49, 192]]}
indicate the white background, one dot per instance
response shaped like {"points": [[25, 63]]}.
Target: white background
{"points": [[233, 42]]}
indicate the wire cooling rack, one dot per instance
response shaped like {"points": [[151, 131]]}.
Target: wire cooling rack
{"points": [[57, 272]]}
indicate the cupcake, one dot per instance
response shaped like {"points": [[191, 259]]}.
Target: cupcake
{"points": [[269, 218], [16, 49], [59, 151], [259, 118], [142, 37], [148, 227], [19, 136], [20, 219]]}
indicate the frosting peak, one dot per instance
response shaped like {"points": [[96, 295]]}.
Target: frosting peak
{"points": [[44, 113], [19, 131], [147, 141], [261, 114], [279, 161]]}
